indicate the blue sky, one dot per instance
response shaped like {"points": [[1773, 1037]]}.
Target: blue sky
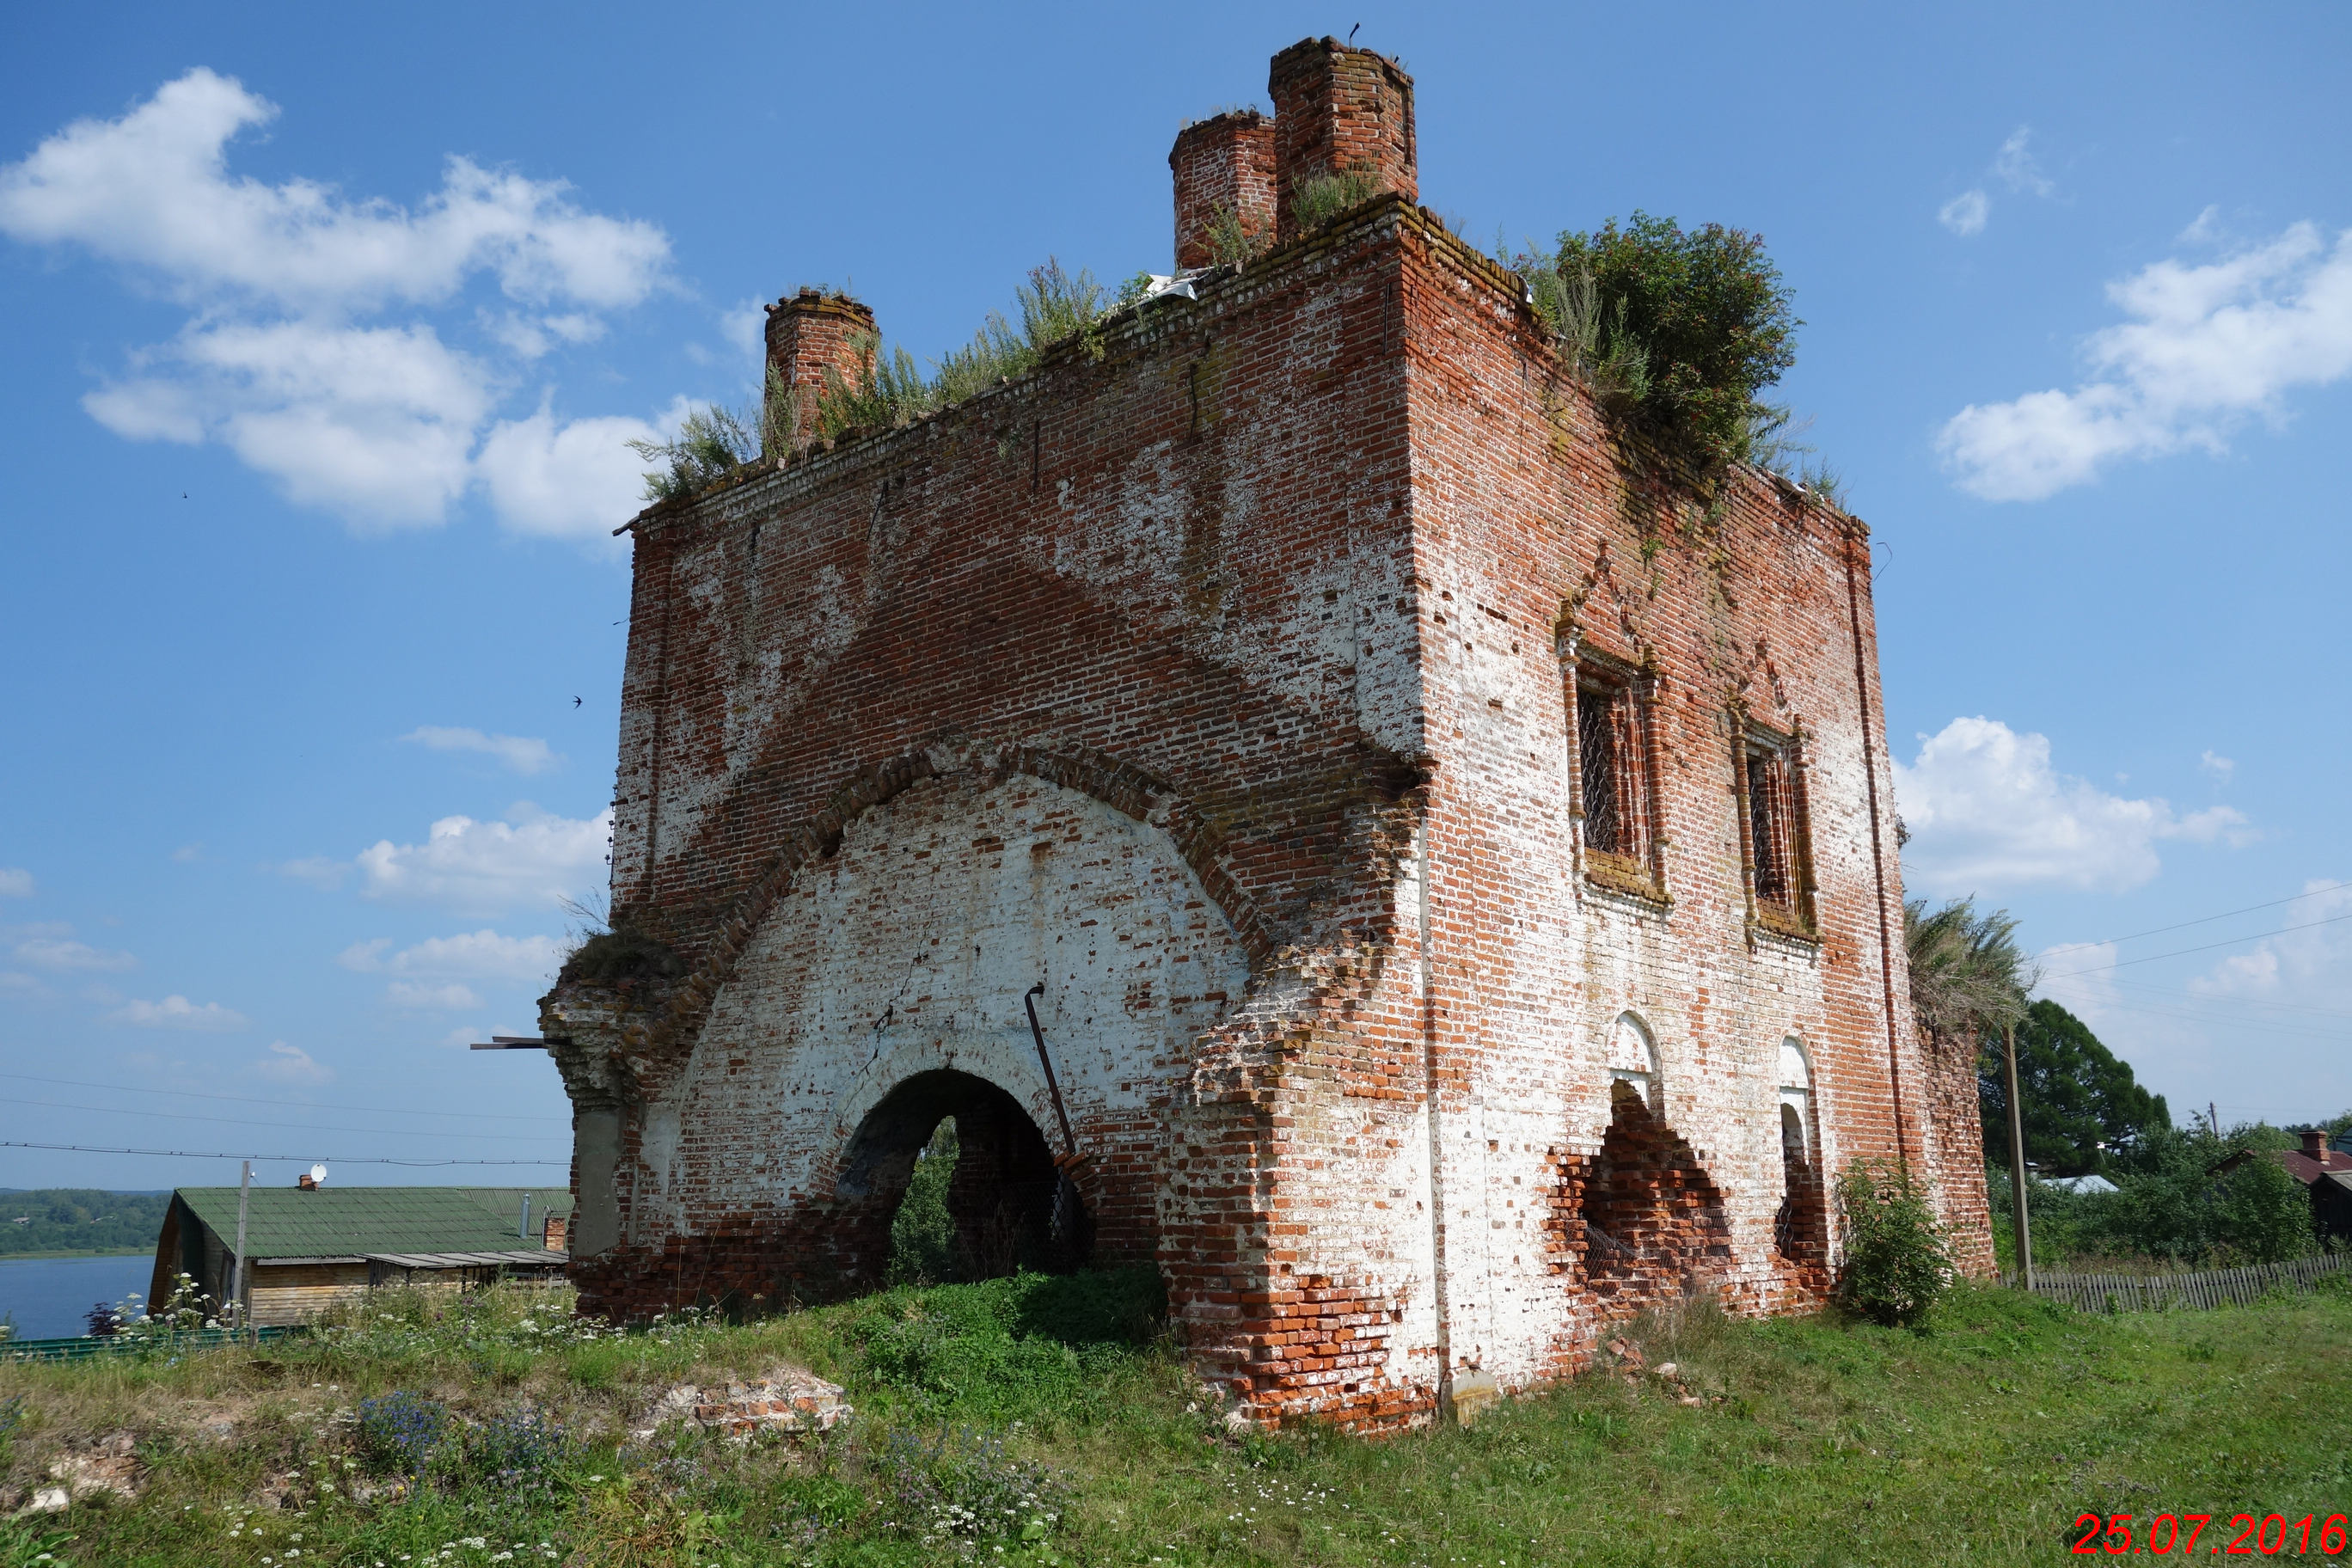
{"points": [[322, 334]]}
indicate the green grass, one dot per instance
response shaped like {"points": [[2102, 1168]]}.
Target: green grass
{"points": [[1048, 1406]]}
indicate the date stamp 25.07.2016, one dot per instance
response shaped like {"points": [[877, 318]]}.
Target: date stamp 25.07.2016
{"points": [[2248, 1535]]}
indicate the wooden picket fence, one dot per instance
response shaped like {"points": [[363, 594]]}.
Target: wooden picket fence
{"points": [[2160, 1292]]}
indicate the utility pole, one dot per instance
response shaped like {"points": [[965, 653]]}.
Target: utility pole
{"points": [[2017, 1162], [236, 1275]]}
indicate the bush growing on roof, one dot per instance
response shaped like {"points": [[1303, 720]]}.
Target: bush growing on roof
{"points": [[622, 952], [886, 389], [1054, 305], [1678, 330], [1317, 199]]}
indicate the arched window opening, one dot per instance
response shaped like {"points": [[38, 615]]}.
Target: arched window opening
{"points": [[1634, 1061], [1651, 1224], [988, 1208], [1801, 1228]]}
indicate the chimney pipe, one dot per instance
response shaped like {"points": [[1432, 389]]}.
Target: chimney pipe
{"points": [[1336, 110], [1224, 165], [808, 333], [2314, 1147]]}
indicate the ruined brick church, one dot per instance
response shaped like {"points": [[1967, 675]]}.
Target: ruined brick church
{"points": [[1455, 912]]}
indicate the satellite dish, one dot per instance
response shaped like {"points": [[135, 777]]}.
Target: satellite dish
{"points": [[319, 1175]]}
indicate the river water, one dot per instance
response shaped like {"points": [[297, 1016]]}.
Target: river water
{"points": [[50, 1297]]}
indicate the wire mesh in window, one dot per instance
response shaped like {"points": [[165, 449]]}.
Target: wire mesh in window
{"points": [[1604, 756], [1771, 825]]}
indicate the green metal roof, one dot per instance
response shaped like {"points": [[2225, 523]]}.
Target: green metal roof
{"points": [[287, 1222]]}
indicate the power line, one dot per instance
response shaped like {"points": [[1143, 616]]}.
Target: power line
{"points": [[290, 1159], [2231, 1001], [291, 1126], [2207, 947], [2207, 920], [287, 1105], [2245, 1026]]}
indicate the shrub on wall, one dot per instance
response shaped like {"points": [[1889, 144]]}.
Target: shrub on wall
{"points": [[1678, 331]]}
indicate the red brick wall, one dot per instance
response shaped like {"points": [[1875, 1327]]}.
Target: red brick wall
{"points": [[1954, 1137], [1221, 165], [1336, 109], [810, 333], [1264, 618]]}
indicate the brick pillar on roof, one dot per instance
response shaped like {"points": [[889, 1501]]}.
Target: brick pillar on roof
{"points": [[1336, 109], [810, 333], [1222, 164]]}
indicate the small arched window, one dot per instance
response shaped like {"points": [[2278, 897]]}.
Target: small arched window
{"points": [[1633, 1057], [1796, 1099]]}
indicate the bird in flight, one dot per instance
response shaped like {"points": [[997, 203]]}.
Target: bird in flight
{"points": [[575, 703]]}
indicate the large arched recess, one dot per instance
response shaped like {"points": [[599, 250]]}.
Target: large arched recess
{"points": [[906, 952]]}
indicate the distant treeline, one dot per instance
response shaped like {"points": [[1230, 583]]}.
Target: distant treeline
{"points": [[80, 1219]]}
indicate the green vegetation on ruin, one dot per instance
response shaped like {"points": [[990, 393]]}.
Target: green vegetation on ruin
{"points": [[1053, 1412]]}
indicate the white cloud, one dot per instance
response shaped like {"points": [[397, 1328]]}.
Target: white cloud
{"points": [[152, 189], [2220, 767], [2207, 348], [14, 983], [16, 883], [1964, 214], [2016, 168], [746, 330], [2313, 966], [56, 953], [374, 423], [378, 422], [318, 871], [449, 998], [479, 955], [482, 868], [524, 755], [575, 481], [178, 1013], [188, 854], [1987, 812], [291, 1064]]}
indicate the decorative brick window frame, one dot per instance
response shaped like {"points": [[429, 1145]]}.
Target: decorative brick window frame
{"points": [[1600, 689], [1768, 780]]}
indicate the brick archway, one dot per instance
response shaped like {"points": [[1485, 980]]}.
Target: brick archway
{"points": [[1001, 1198], [890, 984], [1124, 788]]}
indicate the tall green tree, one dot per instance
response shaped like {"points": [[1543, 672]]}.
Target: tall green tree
{"points": [[2083, 1110]]}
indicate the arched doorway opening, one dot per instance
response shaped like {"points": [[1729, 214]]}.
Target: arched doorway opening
{"points": [[1651, 1224], [1008, 1206]]}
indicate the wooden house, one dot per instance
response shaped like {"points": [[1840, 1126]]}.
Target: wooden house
{"points": [[307, 1248]]}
